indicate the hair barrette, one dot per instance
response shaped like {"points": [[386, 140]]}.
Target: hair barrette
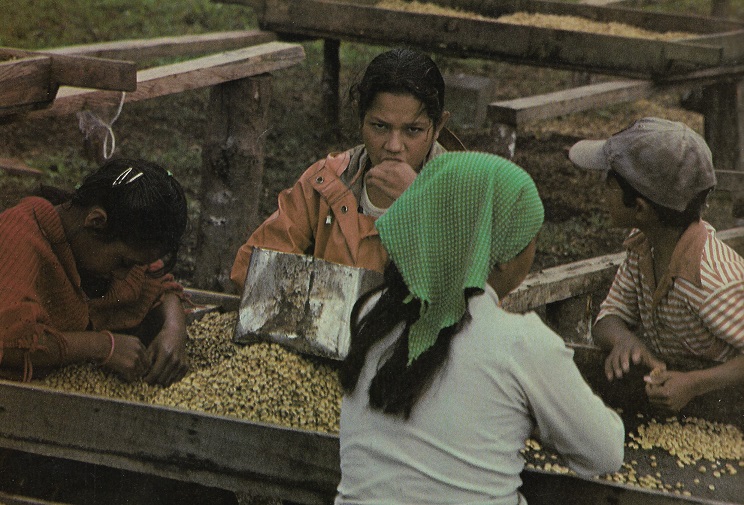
{"points": [[125, 177]]}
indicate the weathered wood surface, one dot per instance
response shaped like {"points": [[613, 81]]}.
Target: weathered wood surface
{"points": [[214, 451], [139, 50], [18, 167], [26, 84], [29, 79], [731, 181], [488, 38], [656, 21], [9, 499], [582, 277], [184, 76], [232, 172], [568, 101], [301, 302]]}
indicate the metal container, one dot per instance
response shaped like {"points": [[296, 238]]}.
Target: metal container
{"points": [[301, 302]]}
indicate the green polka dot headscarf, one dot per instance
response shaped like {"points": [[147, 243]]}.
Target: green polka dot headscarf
{"points": [[465, 213]]}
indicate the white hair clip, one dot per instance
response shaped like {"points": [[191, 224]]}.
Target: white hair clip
{"points": [[126, 178]]}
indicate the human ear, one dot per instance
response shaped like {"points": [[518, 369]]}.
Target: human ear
{"points": [[96, 218], [644, 211]]}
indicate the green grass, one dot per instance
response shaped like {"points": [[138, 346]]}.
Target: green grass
{"points": [[35, 24]]}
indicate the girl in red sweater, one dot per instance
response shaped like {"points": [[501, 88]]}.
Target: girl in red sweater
{"points": [[86, 280]]}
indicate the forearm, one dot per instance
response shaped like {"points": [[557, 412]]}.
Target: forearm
{"points": [[77, 346], [609, 330], [728, 374], [172, 313]]}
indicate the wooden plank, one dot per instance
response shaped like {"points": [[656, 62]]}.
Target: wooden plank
{"points": [[188, 75], [732, 43], [210, 450], [226, 301], [11, 499], [25, 82], [581, 277], [17, 167], [733, 182], [85, 71], [568, 101], [564, 281], [167, 47], [651, 20], [465, 37]]}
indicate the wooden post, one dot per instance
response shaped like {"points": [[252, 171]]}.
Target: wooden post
{"points": [[720, 8], [233, 161], [723, 108], [329, 85]]}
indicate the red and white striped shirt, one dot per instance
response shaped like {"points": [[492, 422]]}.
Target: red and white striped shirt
{"points": [[696, 310]]}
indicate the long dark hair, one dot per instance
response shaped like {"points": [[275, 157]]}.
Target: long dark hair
{"points": [[397, 386], [401, 70], [144, 203]]}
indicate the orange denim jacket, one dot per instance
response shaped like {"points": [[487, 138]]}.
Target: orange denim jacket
{"points": [[319, 216]]}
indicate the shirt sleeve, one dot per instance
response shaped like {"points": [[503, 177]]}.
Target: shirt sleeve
{"points": [[289, 229], [723, 313], [622, 299], [23, 319], [570, 417]]}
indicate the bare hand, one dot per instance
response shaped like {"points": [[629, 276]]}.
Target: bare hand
{"points": [[669, 390], [167, 352], [626, 351], [130, 359], [387, 181]]}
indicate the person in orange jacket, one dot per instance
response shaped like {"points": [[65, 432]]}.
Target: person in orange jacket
{"points": [[85, 279], [330, 212]]}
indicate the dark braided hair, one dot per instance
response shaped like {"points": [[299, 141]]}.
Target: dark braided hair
{"points": [[397, 386], [144, 203]]}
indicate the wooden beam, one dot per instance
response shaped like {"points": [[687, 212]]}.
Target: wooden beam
{"points": [[25, 82], [488, 38], [216, 451], [582, 277], [17, 167], [179, 77], [82, 71], [568, 101], [165, 47], [731, 181]]}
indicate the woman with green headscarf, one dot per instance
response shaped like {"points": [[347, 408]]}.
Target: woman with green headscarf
{"points": [[442, 386]]}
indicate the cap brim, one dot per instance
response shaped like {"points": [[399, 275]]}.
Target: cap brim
{"points": [[589, 154]]}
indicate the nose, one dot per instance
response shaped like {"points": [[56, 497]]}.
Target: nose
{"points": [[394, 142]]}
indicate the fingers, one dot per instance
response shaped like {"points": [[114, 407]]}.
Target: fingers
{"points": [[166, 370], [615, 365]]}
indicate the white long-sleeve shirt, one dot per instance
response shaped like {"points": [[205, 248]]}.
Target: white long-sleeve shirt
{"points": [[506, 373]]}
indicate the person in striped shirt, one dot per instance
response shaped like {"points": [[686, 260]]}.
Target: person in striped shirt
{"points": [[679, 293]]}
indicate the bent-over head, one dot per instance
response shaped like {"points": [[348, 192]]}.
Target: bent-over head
{"points": [[145, 205]]}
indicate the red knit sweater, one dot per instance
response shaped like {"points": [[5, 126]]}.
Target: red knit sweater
{"points": [[40, 286]]}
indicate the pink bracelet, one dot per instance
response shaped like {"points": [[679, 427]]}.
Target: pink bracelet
{"points": [[111, 351]]}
